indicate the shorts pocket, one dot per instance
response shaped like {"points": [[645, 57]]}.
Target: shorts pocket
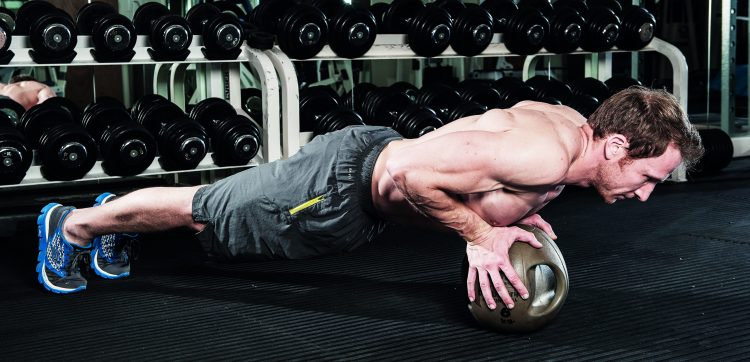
{"points": [[317, 218]]}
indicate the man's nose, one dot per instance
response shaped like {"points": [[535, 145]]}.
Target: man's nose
{"points": [[645, 191]]}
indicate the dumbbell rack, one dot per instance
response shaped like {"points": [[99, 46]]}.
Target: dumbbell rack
{"points": [[223, 82], [394, 46]]}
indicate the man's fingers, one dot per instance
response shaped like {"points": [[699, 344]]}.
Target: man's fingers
{"points": [[502, 291], [484, 285], [528, 238], [514, 280], [470, 282]]}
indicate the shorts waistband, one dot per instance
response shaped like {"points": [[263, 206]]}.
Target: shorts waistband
{"points": [[367, 166]]}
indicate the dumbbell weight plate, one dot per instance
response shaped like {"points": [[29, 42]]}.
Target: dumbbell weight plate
{"points": [[252, 103], [377, 11], [65, 104], [637, 29], [513, 90], [352, 32], [602, 29], [199, 15], [337, 119], [67, 152], [415, 121], [400, 14], [314, 103], [618, 83], [7, 17], [90, 13], [53, 34], [526, 32], [211, 110], [502, 11], [146, 14], [127, 149], [114, 33], [28, 12], [472, 31], [566, 30], [430, 32], [170, 34], [223, 34], [303, 32], [465, 109], [239, 141], [547, 89], [15, 155], [12, 110], [590, 86]]}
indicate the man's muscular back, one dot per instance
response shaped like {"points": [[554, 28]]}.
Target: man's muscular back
{"points": [[532, 146]]}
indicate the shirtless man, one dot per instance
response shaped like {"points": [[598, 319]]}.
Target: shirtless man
{"points": [[27, 92], [475, 176]]}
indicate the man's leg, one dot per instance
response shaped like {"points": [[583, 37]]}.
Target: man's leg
{"points": [[145, 210], [66, 234]]}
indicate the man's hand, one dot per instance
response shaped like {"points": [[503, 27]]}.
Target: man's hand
{"points": [[488, 256], [27, 93], [537, 221]]}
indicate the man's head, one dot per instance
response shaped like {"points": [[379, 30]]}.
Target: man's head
{"points": [[646, 135]]}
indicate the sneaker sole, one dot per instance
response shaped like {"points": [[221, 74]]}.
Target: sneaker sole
{"points": [[42, 221], [100, 272]]}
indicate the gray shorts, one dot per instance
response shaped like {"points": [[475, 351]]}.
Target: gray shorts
{"points": [[317, 202]]}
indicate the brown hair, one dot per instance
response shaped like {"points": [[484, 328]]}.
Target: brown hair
{"points": [[651, 120]]}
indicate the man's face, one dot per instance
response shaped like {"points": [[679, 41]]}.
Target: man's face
{"points": [[628, 178]]}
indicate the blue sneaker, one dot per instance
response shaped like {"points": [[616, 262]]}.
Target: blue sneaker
{"points": [[110, 257], [58, 266]]}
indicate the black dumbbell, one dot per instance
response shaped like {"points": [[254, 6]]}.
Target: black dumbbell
{"points": [[480, 91], [620, 82], [566, 26], [182, 143], [15, 152], [321, 113], [719, 151], [235, 139], [169, 35], [447, 103], [7, 26], [351, 31], [52, 33], [126, 147], [550, 90], [472, 27], [588, 94], [513, 90], [112, 34], [386, 107], [428, 28], [66, 151], [355, 98], [252, 103], [221, 32], [524, 30], [637, 29], [602, 23], [301, 30]]}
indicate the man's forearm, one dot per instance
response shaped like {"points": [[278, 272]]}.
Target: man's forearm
{"points": [[441, 207]]}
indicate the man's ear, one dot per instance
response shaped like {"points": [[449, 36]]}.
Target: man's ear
{"points": [[615, 147]]}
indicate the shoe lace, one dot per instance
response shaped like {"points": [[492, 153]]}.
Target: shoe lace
{"points": [[79, 258]]}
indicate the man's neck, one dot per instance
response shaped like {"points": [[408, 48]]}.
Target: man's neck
{"points": [[583, 168]]}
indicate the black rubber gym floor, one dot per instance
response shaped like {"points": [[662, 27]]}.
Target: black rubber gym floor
{"points": [[664, 280]]}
